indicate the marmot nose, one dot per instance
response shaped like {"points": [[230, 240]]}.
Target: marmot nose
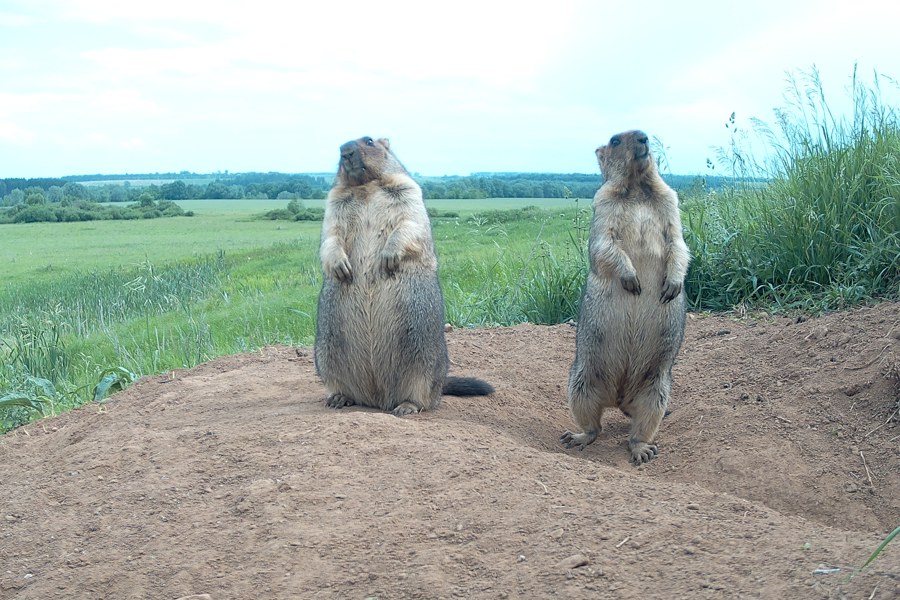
{"points": [[641, 137], [347, 150]]}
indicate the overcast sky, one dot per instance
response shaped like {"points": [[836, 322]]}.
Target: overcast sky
{"points": [[116, 86]]}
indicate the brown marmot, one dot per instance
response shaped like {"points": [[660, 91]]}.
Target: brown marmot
{"points": [[380, 322], [631, 323]]}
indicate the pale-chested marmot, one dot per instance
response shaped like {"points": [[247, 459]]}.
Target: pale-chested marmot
{"points": [[631, 323], [380, 324]]}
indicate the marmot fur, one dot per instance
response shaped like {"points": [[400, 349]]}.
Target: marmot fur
{"points": [[631, 323], [380, 323]]}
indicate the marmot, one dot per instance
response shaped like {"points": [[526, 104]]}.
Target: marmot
{"points": [[380, 323], [631, 323]]}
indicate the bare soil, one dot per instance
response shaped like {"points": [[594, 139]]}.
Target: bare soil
{"points": [[232, 479]]}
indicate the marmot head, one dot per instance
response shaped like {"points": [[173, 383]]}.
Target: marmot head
{"points": [[626, 158], [366, 160]]}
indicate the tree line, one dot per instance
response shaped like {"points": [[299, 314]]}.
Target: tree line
{"points": [[14, 192]]}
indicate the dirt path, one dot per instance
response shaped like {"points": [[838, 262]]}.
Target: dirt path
{"points": [[232, 479]]}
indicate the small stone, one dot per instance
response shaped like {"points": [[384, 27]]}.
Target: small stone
{"points": [[572, 562], [689, 550], [196, 597], [693, 506], [520, 558], [851, 488]]}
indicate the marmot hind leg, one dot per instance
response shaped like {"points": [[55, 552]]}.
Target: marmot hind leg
{"points": [[421, 393], [647, 410], [587, 411]]}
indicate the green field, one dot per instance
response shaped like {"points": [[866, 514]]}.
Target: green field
{"points": [[45, 250], [41, 251]]}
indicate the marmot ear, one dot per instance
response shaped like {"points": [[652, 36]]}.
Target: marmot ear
{"points": [[385, 142]]}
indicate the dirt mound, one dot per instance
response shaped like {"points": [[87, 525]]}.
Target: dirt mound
{"points": [[232, 479]]}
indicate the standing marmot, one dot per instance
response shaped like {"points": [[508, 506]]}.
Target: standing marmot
{"points": [[633, 310], [380, 325]]}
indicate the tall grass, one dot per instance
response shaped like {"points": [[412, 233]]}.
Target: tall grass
{"points": [[824, 233], [63, 340], [539, 280], [98, 299]]}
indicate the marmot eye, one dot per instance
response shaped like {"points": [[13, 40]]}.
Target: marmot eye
{"points": [[615, 141], [370, 141]]}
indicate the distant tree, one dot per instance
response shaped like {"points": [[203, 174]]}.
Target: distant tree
{"points": [[34, 196], [14, 198], [98, 193], [118, 193], [194, 191], [177, 190], [55, 194], [216, 190], [75, 191]]}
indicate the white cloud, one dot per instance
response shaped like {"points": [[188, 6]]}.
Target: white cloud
{"points": [[15, 135], [15, 20], [134, 143], [136, 64]]}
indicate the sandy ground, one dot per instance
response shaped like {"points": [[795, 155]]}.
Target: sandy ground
{"points": [[232, 479]]}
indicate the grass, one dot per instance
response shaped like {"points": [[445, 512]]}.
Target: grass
{"points": [[825, 232], [36, 252], [880, 548], [87, 307]]}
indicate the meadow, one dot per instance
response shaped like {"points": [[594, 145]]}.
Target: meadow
{"points": [[87, 307]]}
